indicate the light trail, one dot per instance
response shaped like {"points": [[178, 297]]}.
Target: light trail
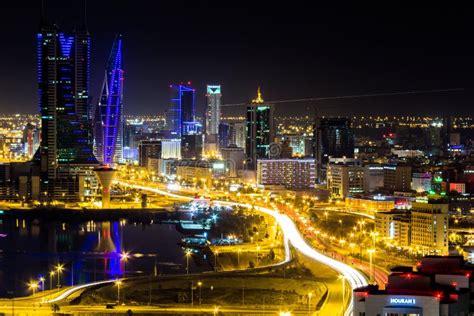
{"points": [[74, 289], [291, 233]]}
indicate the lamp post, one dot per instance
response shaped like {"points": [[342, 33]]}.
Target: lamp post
{"points": [[200, 292], [188, 254], [33, 286], [216, 253], [41, 279], [124, 256], [118, 283], [59, 269], [51, 275]]}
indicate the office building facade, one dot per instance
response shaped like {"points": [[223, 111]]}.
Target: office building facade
{"points": [[259, 130], [108, 117], [65, 155], [397, 178], [213, 112], [333, 137], [345, 177], [294, 174]]}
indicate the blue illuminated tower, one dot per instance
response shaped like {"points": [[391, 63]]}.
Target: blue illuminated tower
{"points": [[63, 61], [181, 112], [108, 117]]}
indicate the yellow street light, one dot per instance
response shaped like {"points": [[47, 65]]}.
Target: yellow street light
{"points": [[33, 286], [187, 254], [118, 283], [59, 268], [41, 279]]}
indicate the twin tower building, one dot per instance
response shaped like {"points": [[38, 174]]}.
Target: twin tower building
{"points": [[76, 137]]}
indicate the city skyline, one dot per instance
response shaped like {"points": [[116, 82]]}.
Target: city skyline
{"points": [[337, 49]]}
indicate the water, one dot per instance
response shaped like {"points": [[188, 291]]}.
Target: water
{"points": [[89, 250]]}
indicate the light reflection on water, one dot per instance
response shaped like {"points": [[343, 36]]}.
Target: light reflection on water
{"points": [[90, 251]]}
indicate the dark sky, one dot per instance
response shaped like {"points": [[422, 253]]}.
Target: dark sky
{"points": [[293, 50]]}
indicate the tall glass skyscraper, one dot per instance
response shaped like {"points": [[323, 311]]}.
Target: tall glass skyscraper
{"points": [[260, 131], [108, 117], [213, 112], [182, 108], [63, 61]]}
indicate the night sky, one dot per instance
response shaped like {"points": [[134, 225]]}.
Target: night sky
{"points": [[292, 50]]}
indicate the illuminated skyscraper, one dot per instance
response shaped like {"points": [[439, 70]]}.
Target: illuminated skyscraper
{"points": [[213, 113], [182, 109], [108, 117], [63, 89], [260, 132]]}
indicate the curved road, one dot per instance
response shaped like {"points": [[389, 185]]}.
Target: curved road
{"points": [[291, 233]]}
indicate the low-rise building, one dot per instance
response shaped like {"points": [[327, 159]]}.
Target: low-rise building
{"points": [[370, 203], [200, 172], [441, 286], [421, 181], [294, 174], [429, 227], [393, 227], [344, 179]]}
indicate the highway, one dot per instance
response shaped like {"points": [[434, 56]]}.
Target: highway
{"points": [[291, 233]]}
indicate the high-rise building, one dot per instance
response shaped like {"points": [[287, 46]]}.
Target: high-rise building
{"points": [[397, 178], [260, 131], [224, 135], [65, 156], [234, 158], [237, 134], [373, 177], [182, 108], [294, 174], [344, 177], [333, 137], [171, 149], [30, 140], [192, 146], [108, 117], [148, 149], [213, 112]]}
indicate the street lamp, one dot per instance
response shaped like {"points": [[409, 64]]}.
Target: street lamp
{"points": [[41, 279], [216, 253], [188, 254], [200, 292], [371, 252], [51, 275], [59, 269], [33, 286], [124, 256], [118, 283]]}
